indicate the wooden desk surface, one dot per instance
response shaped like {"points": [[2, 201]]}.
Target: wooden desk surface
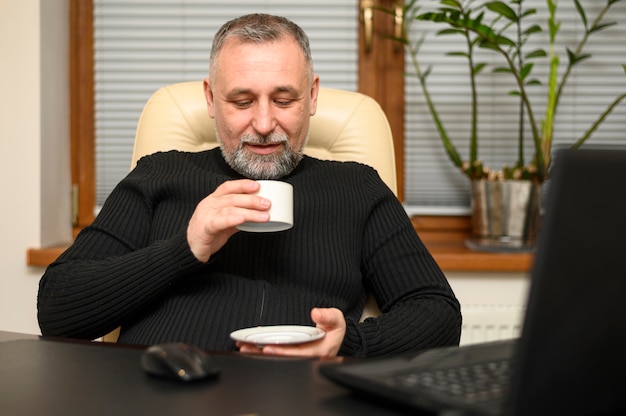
{"points": [[55, 377]]}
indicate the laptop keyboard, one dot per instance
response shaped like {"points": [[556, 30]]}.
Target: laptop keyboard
{"points": [[473, 378], [472, 384]]}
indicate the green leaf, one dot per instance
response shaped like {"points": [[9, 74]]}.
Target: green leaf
{"points": [[538, 53], [583, 57], [502, 69], [533, 82], [462, 54], [479, 67], [455, 15], [450, 32], [526, 69], [487, 45], [581, 12], [479, 18], [576, 59], [530, 12], [533, 29], [451, 3], [554, 28], [503, 40], [431, 17], [602, 26], [503, 10], [515, 93]]}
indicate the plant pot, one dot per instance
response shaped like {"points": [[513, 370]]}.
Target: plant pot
{"points": [[505, 215]]}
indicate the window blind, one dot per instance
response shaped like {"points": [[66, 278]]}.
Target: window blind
{"points": [[142, 45], [431, 180]]}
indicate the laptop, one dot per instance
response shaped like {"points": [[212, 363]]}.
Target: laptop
{"points": [[570, 358]]}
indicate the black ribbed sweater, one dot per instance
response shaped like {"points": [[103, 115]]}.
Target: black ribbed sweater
{"points": [[133, 267]]}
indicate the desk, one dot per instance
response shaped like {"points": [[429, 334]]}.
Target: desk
{"points": [[65, 377]]}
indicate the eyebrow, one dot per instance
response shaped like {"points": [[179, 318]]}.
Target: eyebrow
{"points": [[244, 91], [288, 89]]}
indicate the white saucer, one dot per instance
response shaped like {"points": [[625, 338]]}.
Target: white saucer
{"points": [[281, 334]]}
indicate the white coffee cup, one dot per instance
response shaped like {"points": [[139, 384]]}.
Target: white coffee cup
{"points": [[280, 195]]}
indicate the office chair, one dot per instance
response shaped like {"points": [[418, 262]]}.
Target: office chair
{"points": [[347, 126]]}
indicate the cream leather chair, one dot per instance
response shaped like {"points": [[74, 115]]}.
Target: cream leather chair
{"points": [[347, 126]]}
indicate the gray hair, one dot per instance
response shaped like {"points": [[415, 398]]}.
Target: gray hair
{"points": [[260, 28]]}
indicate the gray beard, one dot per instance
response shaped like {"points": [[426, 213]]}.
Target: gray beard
{"points": [[260, 167]]}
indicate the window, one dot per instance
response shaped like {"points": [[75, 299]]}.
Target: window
{"points": [[165, 41], [432, 182]]}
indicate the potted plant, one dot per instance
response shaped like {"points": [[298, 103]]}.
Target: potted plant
{"points": [[488, 25]]}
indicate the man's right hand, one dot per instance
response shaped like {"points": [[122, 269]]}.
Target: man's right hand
{"points": [[216, 217]]}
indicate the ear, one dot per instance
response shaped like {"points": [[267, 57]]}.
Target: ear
{"points": [[315, 89], [208, 96]]}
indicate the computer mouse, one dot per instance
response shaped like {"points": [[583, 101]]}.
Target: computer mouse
{"points": [[179, 361]]}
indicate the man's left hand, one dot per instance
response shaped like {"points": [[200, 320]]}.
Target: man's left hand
{"points": [[330, 320]]}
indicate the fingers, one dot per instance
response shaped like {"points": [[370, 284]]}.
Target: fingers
{"points": [[232, 204], [242, 186], [235, 198], [331, 320], [216, 216], [313, 349], [328, 318], [249, 348]]}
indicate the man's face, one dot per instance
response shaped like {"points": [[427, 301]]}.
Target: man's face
{"points": [[261, 98]]}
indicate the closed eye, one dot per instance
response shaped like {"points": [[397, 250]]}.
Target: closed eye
{"points": [[284, 103], [242, 103]]}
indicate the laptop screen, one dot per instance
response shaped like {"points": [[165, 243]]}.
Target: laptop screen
{"points": [[571, 355]]}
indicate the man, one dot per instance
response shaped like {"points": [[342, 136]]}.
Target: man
{"points": [[165, 261]]}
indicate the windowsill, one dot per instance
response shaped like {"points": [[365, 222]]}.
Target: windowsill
{"points": [[443, 235], [42, 257], [445, 238]]}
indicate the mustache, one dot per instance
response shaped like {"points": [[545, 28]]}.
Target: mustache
{"points": [[272, 138]]}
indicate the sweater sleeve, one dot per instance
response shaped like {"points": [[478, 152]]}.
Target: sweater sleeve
{"points": [[110, 270], [419, 309]]}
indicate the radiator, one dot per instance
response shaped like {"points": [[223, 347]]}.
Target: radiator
{"points": [[483, 323]]}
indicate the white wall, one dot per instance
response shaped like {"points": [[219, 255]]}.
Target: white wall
{"points": [[34, 161]]}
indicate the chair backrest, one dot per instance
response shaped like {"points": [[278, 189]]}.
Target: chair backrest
{"points": [[348, 126]]}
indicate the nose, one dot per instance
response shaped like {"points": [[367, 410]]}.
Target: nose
{"points": [[264, 120]]}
